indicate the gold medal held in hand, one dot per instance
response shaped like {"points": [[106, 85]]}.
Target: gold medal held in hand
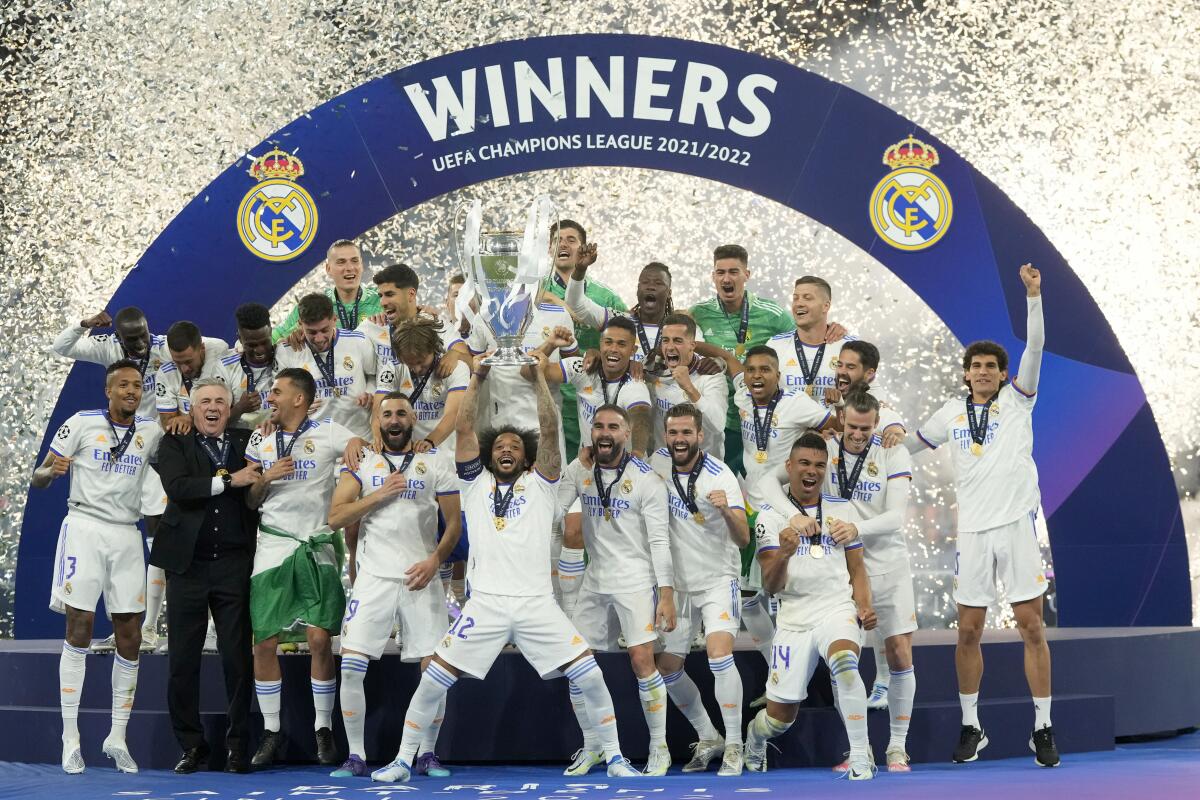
{"points": [[976, 449], [816, 550], [761, 456]]}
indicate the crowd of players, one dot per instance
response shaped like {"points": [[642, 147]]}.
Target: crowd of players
{"points": [[656, 480]]}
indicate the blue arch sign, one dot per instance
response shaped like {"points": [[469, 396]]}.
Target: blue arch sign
{"points": [[765, 126]]}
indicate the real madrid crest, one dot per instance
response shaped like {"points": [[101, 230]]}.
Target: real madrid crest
{"points": [[310, 447], [518, 487], [420, 468], [910, 207], [277, 218], [139, 441], [627, 486], [872, 470], [348, 363]]}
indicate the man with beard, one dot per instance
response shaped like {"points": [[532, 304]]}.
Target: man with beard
{"points": [[397, 286], [99, 552], [684, 382], [353, 301], [417, 372], [629, 578], [190, 361], [249, 373], [296, 581], [996, 482], [397, 493], [707, 528], [807, 357], [816, 569], [508, 484], [653, 304], [858, 362]]}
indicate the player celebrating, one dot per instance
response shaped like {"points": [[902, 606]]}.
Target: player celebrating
{"points": [[708, 526], [802, 352], [397, 494], [99, 549], [250, 373], [653, 305], [397, 286], [857, 362], [354, 302], [509, 486], [190, 361], [419, 352], [684, 382], [810, 560], [997, 485], [293, 492], [629, 577]]}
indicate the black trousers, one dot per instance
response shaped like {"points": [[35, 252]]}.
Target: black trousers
{"points": [[222, 587]]}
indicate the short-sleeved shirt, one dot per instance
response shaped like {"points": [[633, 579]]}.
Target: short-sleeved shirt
{"points": [[430, 405], [816, 587], [703, 554], [368, 306], [172, 393], [619, 550], [241, 376], [354, 367], [884, 470], [1000, 485], [795, 413], [102, 486], [791, 372], [403, 530], [106, 349], [381, 337], [712, 404], [512, 557], [593, 391], [299, 503]]}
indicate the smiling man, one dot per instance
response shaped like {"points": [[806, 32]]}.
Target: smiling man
{"points": [[807, 360], [684, 382], [653, 305], [354, 301]]}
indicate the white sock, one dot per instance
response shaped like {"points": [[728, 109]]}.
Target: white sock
{"points": [[883, 673], [766, 727], [124, 682], [970, 709], [446, 573], [71, 666], [653, 694], [1041, 713], [323, 693], [727, 685], [429, 740], [852, 700], [585, 673], [591, 742], [354, 703], [901, 694], [268, 693], [156, 588], [570, 576], [423, 708], [686, 696], [459, 587], [758, 623]]}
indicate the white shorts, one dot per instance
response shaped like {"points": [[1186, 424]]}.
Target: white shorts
{"points": [[372, 610], [1009, 552], [894, 602], [794, 654], [97, 558], [154, 496], [718, 607], [536, 625], [602, 618]]}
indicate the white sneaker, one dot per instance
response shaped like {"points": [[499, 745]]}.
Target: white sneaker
{"points": [[149, 640], [119, 753], [703, 752], [732, 763], [72, 758], [619, 767], [583, 761], [106, 645], [897, 760], [878, 700], [395, 772], [862, 769], [210, 640], [658, 762], [754, 752]]}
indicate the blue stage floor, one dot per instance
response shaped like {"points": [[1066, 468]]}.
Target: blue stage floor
{"points": [[1164, 769]]}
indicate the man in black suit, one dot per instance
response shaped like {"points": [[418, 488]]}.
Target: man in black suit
{"points": [[205, 543]]}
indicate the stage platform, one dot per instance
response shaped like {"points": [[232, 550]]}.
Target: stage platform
{"points": [[1109, 683]]}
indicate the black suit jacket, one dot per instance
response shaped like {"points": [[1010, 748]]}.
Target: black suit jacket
{"points": [[187, 474]]}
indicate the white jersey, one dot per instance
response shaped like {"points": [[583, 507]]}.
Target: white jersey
{"points": [[703, 554], [428, 396], [403, 531], [888, 415], [631, 551], [510, 557], [795, 413], [380, 336], [816, 587], [353, 363], [880, 498], [233, 371], [1001, 484], [108, 489], [593, 391], [713, 402], [510, 398], [172, 393], [299, 503], [791, 369]]}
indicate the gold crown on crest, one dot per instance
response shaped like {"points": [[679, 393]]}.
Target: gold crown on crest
{"points": [[276, 164], [910, 152]]}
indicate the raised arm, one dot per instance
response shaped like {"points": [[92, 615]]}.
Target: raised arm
{"points": [[582, 307], [466, 443], [1026, 380], [549, 459], [74, 342]]}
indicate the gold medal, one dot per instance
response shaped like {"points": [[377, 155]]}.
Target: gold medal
{"points": [[816, 551], [739, 350], [608, 515], [221, 473], [499, 521], [337, 391], [810, 390], [761, 456], [699, 517], [976, 449]]}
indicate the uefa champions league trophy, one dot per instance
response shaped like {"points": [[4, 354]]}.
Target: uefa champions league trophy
{"points": [[503, 272]]}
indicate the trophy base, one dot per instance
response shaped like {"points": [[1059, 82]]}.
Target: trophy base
{"points": [[509, 357]]}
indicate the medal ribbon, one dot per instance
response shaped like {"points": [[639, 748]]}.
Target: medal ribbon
{"points": [[284, 452], [500, 504], [978, 428], [846, 484], [419, 385], [408, 457], [744, 323], [620, 384], [142, 363], [813, 541], [809, 372], [120, 447], [326, 365], [348, 318], [246, 368], [647, 348], [217, 457], [689, 495], [762, 428], [606, 493]]}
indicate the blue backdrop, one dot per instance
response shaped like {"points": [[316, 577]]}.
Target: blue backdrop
{"points": [[717, 113]]}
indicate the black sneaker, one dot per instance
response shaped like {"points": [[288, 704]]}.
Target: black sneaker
{"points": [[268, 749], [1045, 751], [970, 741], [326, 752]]}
